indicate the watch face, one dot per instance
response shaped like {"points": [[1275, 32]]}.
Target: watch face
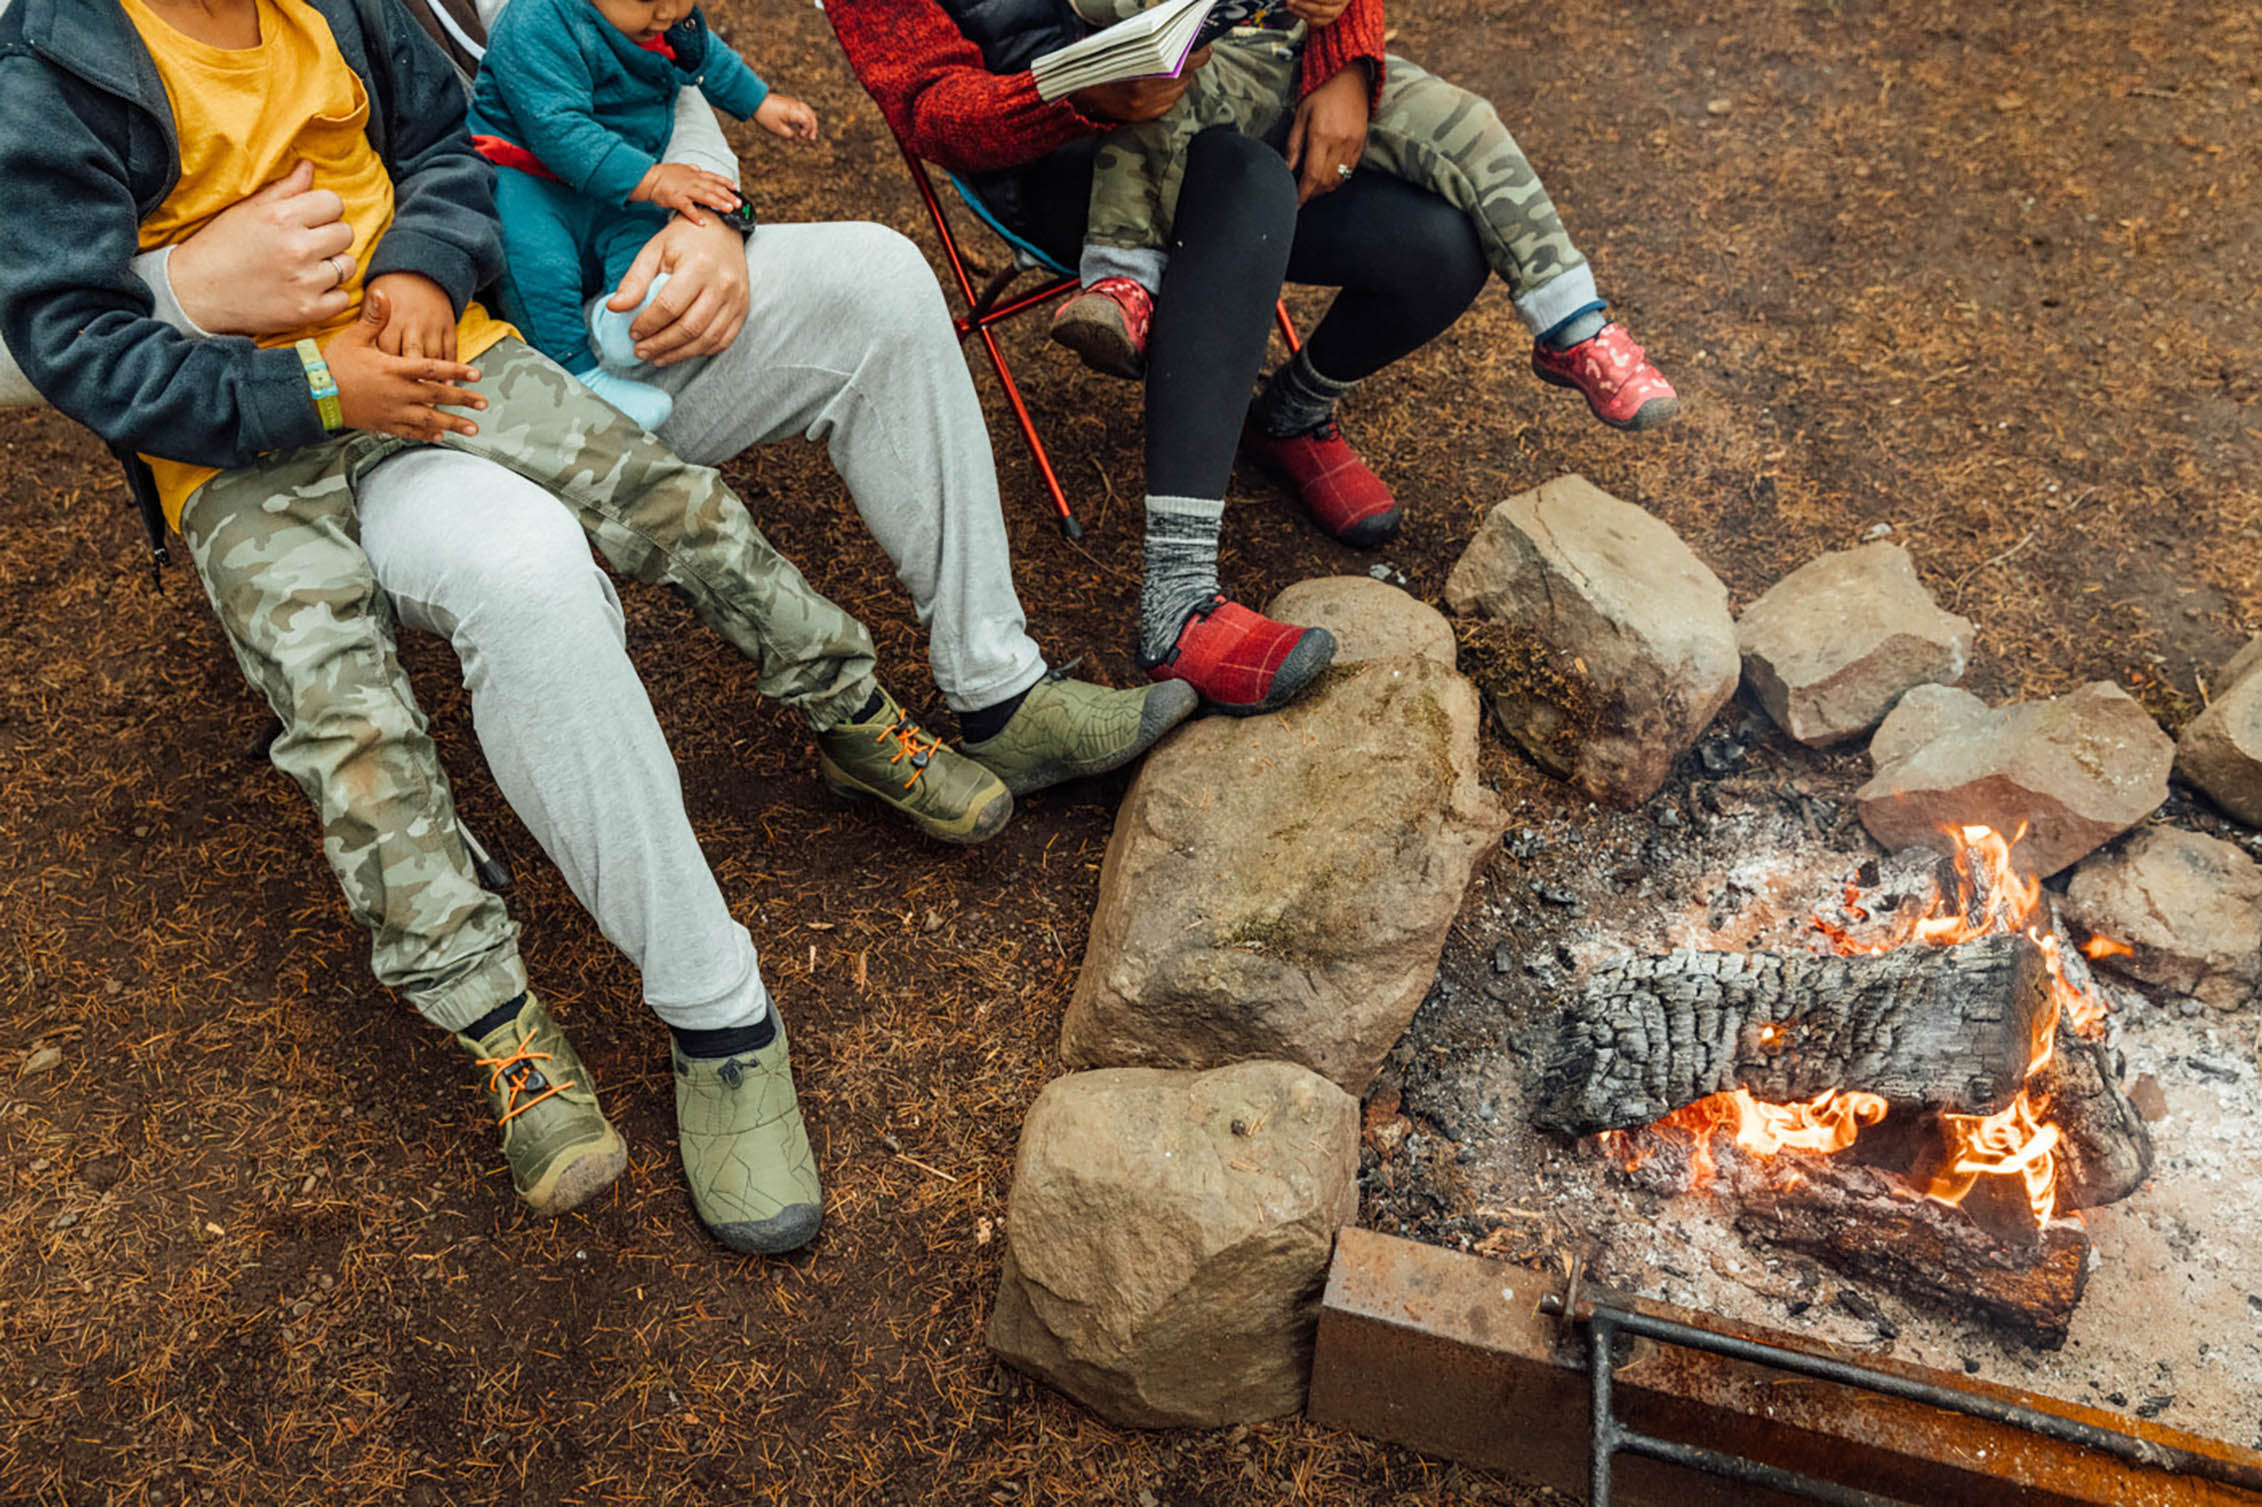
{"points": [[742, 218]]}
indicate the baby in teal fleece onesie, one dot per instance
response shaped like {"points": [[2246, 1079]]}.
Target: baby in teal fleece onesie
{"points": [[574, 101]]}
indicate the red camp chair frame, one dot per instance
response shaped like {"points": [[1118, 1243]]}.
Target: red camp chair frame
{"points": [[984, 311]]}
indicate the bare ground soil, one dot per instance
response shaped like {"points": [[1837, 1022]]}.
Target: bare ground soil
{"points": [[1986, 274]]}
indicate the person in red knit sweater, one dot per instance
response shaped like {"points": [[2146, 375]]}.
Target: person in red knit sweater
{"points": [[951, 77]]}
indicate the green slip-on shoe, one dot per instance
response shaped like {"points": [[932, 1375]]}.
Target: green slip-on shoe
{"points": [[892, 759], [1066, 729], [745, 1151], [560, 1146]]}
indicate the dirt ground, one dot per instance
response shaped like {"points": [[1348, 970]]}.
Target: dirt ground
{"points": [[1985, 274]]}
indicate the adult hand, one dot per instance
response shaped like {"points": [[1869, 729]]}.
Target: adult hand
{"points": [[421, 321], [703, 306], [396, 394], [274, 262], [1131, 101], [1330, 133]]}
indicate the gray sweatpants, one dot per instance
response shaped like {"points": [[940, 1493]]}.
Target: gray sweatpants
{"points": [[846, 342]]}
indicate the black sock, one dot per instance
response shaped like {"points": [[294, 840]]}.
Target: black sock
{"points": [[985, 723], [731, 1041], [871, 708], [502, 1015]]}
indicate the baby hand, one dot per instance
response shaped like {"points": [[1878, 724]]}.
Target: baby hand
{"points": [[783, 115], [686, 189], [421, 321]]}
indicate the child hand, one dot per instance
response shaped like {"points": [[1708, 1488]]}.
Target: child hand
{"points": [[782, 115], [1317, 12], [686, 189], [421, 322], [390, 394]]}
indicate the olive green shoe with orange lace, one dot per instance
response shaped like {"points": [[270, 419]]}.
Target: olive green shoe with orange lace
{"points": [[560, 1146], [888, 757]]}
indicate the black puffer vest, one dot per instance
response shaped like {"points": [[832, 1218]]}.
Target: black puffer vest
{"points": [[1010, 33]]}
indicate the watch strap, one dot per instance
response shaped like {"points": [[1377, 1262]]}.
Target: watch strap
{"points": [[322, 385]]}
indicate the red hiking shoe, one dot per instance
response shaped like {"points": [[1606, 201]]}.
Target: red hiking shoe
{"points": [[1106, 324], [1344, 498], [1242, 662], [1622, 388]]}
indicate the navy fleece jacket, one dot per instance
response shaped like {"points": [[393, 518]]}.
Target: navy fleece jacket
{"points": [[87, 149], [597, 109]]}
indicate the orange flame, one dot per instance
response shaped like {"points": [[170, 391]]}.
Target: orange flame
{"points": [[2106, 947]]}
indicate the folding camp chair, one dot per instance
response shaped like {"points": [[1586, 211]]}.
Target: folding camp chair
{"points": [[984, 309]]}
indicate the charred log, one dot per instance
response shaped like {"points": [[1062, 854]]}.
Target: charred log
{"points": [[1940, 1027], [2104, 1151], [1872, 1226]]}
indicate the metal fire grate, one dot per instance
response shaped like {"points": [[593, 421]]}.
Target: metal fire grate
{"points": [[1603, 1325]]}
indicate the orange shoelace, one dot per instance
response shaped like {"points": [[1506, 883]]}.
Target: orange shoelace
{"points": [[906, 734], [510, 1084]]}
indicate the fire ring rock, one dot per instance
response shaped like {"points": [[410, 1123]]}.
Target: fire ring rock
{"points": [[1830, 647], [2075, 772], [2189, 907], [1169, 1235], [1279, 887], [2221, 748], [1600, 642]]}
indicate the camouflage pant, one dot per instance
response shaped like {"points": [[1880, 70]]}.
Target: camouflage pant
{"points": [[1424, 130], [277, 545]]}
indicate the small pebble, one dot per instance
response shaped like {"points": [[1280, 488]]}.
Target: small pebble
{"points": [[64, 1220], [1869, 535], [40, 1061], [1670, 816]]}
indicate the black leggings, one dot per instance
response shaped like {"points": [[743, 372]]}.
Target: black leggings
{"points": [[1408, 263]]}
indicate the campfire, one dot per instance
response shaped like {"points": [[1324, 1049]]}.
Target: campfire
{"points": [[1928, 1098]]}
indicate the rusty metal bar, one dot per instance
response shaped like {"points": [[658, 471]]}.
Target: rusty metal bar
{"points": [[1605, 1323], [1454, 1354]]}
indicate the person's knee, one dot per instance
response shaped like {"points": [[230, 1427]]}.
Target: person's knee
{"points": [[1242, 176], [1439, 250], [544, 588]]}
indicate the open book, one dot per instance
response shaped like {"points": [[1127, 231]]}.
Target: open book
{"points": [[1152, 44]]}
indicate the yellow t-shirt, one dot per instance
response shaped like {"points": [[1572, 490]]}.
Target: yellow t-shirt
{"points": [[243, 117]]}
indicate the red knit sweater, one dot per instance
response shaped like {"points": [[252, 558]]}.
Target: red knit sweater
{"points": [[931, 84]]}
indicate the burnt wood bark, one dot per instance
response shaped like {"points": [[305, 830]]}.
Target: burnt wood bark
{"points": [[2105, 1151], [1870, 1225], [1941, 1027]]}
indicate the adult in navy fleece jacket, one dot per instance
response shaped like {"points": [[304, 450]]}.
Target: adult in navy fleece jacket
{"points": [[594, 109]]}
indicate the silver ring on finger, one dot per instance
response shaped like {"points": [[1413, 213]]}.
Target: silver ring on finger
{"points": [[343, 266], [1343, 170]]}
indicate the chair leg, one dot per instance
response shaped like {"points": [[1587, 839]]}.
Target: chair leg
{"points": [[1069, 524], [1287, 326]]}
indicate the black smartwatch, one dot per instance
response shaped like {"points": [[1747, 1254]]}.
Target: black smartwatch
{"points": [[741, 219]]}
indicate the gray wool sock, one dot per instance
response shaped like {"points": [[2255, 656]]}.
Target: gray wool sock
{"points": [[1298, 399], [1181, 568]]}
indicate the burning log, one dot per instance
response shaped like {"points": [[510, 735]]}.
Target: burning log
{"points": [[1942, 1027], [1870, 1225]]}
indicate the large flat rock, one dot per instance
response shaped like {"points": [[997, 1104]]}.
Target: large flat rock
{"points": [[1833, 645], [1604, 645], [2075, 771], [1280, 886], [2189, 908], [2221, 748], [1168, 1237]]}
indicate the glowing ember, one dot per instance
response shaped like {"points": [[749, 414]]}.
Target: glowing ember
{"points": [[2106, 947], [1990, 898]]}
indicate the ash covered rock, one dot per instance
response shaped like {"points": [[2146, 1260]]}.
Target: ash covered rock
{"points": [[1830, 647], [2075, 771], [1281, 886], [1168, 1236], [2189, 906], [1601, 643], [2221, 748]]}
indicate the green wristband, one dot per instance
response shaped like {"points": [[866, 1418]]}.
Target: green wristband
{"points": [[322, 385]]}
